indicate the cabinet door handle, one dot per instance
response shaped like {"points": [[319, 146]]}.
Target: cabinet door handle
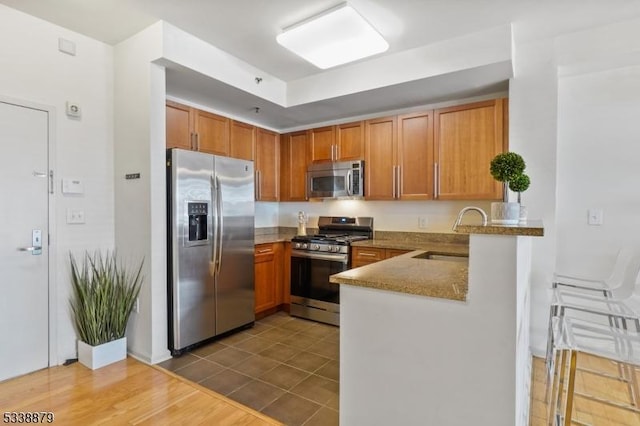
{"points": [[197, 141], [399, 181], [436, 181], [191, 141], [337, 151], [365, 254], [258, 185], [393, 182], [267, 250]]}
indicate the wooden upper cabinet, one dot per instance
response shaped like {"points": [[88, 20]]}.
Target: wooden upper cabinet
{"points": [[323, 144], [294, 156], [267, 165], [344, 142], [212, 133], [467, 137], [179, 125], [242, 140], [415, 157], [350, 141], [380, 158]]}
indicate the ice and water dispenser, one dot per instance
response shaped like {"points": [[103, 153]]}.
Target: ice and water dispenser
{"points": [[198, 213]]}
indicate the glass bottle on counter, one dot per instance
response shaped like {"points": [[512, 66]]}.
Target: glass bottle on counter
{"points": [[302, 223]]}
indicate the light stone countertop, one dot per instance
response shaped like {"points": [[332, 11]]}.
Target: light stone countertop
{"points": [[404, 274]]}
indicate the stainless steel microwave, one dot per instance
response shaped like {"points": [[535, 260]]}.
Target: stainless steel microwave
{"points": [[340, 179]]}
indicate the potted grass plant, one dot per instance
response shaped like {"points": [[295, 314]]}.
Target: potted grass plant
{"points": [[103, 295], [505, 168]]}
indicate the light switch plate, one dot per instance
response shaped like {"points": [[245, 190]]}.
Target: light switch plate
{"points": [[75, 216], [595, 217]]}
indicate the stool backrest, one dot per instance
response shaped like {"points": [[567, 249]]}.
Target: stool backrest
{"points": [[623, 280]]}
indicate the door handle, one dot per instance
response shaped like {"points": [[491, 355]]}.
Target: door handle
{"points": [[214, 244], [218, 260], [36, 243], [32, 248]]}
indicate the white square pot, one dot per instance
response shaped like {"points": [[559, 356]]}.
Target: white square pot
{"points": [[505, 213], [101, 355]]}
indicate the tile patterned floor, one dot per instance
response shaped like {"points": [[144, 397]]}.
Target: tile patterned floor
{"points": [[586, 412], [284, 367]]}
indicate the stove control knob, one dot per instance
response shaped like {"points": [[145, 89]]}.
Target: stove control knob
{"points": [[304, 246], [336, 248], [296, 245], [315, 247]]}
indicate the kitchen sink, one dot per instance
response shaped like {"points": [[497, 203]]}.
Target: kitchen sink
{"points": [[434, 255]]}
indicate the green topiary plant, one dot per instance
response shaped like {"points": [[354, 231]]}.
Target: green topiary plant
{"points": [[519, 184], [104, 293], [505, 167]]}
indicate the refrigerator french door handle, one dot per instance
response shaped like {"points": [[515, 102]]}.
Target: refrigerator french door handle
{"points": [[214, 245], [220, 224]]}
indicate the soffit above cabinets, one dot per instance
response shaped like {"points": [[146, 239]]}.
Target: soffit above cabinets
{"points": [[186, 85]]}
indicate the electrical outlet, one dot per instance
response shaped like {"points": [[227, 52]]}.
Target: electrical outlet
{"points": [[422, 222], [595, 217]]}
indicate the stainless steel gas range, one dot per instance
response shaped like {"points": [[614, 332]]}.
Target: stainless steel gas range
{"points": [[315, 257]]}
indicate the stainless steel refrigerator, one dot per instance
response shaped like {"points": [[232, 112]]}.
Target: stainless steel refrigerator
{"points": [[210, 248]]}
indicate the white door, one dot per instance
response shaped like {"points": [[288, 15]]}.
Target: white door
{"points": [[24, 270]]}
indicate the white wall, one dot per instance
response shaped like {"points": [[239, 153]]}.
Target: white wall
{"points": [[532, 133], [32, 69], [598, 154], [140, 219]]}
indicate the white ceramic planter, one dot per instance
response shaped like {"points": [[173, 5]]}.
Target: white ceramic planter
{"points": [[505, 213], [101, 355]]}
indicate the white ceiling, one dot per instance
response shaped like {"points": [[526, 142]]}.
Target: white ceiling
{"points": [[247, 29]]}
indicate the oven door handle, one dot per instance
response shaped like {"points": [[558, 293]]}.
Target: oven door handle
{"points": [[332, 257]]}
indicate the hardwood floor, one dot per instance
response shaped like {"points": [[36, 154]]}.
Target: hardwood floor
{"points": [[127, 392], [585, 412], [132, 393]]}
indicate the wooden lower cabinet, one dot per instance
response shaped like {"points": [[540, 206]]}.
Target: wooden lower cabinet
{"points": [[286, 282], [269, 277], [361, 256], [395, 252]]}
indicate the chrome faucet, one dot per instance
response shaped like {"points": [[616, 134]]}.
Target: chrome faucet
{"points": [[466, 209]]}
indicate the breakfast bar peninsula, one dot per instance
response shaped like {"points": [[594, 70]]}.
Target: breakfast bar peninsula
{"points": [[429, 340]]}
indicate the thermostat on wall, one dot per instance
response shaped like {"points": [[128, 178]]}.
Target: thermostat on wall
{"points": [[72, 186]]}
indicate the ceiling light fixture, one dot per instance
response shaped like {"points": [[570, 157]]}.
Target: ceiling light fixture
{"points": [[334, 37]]}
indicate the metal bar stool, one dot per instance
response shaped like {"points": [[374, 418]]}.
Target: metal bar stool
{"points": [[612, 286], [609, 298], [575, 338]]}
